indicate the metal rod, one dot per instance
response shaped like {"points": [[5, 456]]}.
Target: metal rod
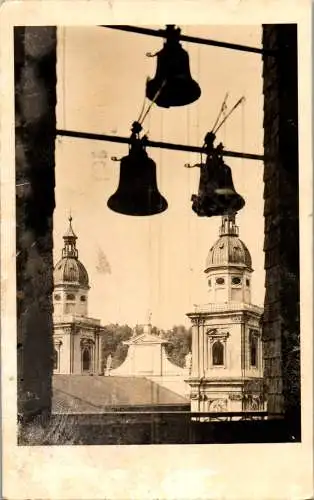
{"points": [[152, 144], [192, 39], [227, 116]]}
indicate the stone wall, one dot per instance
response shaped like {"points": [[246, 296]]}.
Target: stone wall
{"points": [[35, 122], [281, 244]]}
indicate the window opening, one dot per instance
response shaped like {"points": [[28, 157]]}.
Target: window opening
{"points": [[218, 353]]}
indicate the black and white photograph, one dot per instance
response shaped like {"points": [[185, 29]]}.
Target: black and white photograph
{"points": [[158, 197]]}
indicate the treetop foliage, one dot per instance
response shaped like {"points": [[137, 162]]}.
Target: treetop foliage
{"points": [[179, 338]]}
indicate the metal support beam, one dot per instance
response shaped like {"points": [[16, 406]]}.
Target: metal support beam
{"points": [[153, 144], [192, 39]]}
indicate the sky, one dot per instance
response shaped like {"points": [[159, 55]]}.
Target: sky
{"points": [[137, 264]]}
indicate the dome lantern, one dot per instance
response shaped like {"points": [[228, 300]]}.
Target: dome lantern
{"points": [[228, 226], [70, 238]]}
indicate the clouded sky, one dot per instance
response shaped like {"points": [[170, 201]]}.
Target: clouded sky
{"points": [[155, 263]]}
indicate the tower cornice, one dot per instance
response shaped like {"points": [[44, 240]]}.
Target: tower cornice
{"points": [[228, 267], [225, 309]]}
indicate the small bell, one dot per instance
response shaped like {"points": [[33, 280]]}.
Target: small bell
{"points": [[173, 81], [216, 195], [137, 193]]}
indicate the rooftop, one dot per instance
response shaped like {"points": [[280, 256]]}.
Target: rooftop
{"points": [[77, 394]]}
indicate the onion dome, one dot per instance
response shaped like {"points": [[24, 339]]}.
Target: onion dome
{"points": [[229, 250], [69, 270]]}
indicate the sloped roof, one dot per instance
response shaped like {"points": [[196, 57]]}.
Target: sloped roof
{"points": [[97, 394]]}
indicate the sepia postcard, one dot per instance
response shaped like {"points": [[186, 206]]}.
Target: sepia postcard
{"points": [[156, 250]]}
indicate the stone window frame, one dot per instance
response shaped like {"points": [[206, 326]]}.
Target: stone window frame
{"points": [[218, 353], [220, 285], [215, 335], [57, 349], [88, 344], [254, 334], [236, 285], [55, 359]]}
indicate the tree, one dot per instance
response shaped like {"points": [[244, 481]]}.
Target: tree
{"points": [[179, 345], [112, 343]]}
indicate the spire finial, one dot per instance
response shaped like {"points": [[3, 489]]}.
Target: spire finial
{"points": [[70, 222]]}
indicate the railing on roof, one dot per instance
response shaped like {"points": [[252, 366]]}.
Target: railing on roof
{"points": [[224, 307], [71, 318], [136, 416]]}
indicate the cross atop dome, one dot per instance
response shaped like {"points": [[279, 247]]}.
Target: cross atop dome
{"points": [[70, 233]]}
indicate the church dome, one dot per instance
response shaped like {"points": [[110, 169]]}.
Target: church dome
{"points": [[69, 270], [229, 249]]}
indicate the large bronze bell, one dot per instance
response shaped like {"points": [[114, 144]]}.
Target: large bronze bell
{"points": [[137, 192], [173, 83], [216, 195]]}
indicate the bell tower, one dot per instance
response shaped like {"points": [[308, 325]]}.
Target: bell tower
{"points": [[71, 282], [228, 269], [227, 356], [76, 337]]}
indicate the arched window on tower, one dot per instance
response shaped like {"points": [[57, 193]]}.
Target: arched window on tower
{"points": [[218, 353], [55, 359], [253, 348], [86, 359]]}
